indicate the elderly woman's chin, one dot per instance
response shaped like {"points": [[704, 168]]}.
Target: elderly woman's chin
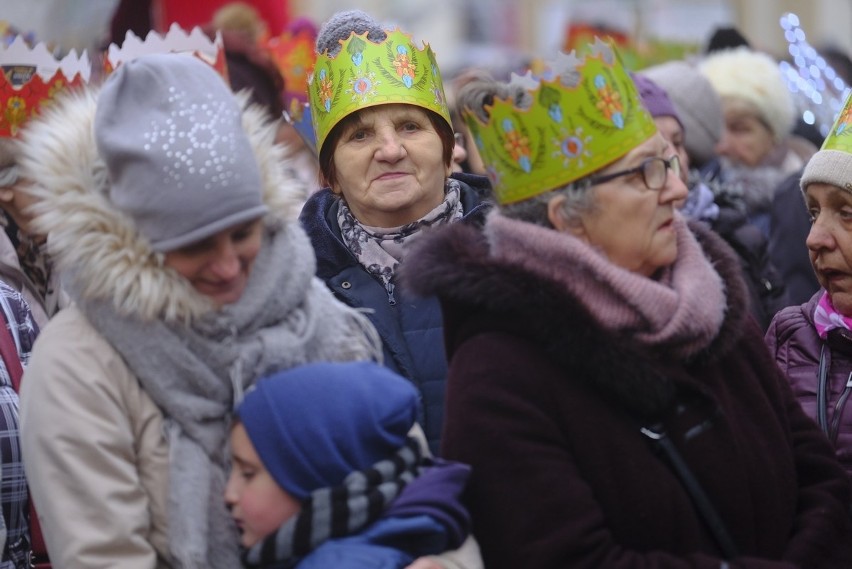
{"points": [[839, 288]]}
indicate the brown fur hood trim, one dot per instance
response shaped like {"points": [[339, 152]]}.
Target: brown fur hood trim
{"points": [[478, 292]]}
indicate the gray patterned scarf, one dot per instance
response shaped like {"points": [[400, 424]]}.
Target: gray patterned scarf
{"points": [[196, 374], [373, 247]]}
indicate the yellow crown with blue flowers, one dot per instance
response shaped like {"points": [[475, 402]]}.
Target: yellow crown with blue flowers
{"points": [[585, 114], [365, 74]]}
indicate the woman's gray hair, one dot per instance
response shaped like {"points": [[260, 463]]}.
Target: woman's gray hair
{"points": [[473, 98], [579, 200]]}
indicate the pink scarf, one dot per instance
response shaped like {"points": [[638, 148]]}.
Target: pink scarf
{"points": [[827, 318], [682, 312]]}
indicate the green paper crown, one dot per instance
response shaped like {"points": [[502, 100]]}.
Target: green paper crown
{"points": [[364, 74], [840, 137], [586, 117]]}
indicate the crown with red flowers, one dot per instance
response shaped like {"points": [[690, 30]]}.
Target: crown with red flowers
{"points": [[584, 115], [31, 78], [365, 74], [176, 40]]}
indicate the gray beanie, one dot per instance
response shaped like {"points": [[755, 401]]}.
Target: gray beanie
{"points": [[340, 26], [179, 162], [829, 167], [697, 105]]}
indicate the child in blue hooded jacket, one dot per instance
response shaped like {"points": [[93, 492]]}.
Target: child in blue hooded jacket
{"points": [[325, 474]]}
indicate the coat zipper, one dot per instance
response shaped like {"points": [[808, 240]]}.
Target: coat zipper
{"points": [[838, 410]]}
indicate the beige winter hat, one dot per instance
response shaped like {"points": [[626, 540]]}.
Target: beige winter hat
{"points": [[755, 78]]}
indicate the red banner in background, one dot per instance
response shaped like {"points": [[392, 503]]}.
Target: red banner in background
{"points": [[190, 13]]}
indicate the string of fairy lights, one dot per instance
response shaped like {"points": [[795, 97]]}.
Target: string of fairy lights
{"points": [[819, 92]]}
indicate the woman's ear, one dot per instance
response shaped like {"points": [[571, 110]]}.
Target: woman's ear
{"points": [[556, 216]]}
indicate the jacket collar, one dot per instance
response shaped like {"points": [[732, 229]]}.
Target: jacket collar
{"points": [[319, 219], [479, 293]]}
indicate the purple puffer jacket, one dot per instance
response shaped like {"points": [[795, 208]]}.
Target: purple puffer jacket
{"points": [[800, 353]]}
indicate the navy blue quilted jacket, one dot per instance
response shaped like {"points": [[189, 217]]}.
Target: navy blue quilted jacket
{"points": [[412, 328]]}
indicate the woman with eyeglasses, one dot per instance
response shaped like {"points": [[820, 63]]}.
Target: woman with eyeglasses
{"points": [[614, 399]]}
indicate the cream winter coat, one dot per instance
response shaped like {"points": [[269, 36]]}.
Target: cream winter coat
{"points": [[94, 446]]}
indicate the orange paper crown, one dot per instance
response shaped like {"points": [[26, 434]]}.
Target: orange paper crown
{"points": [[294, 55], [177, 40], [31, 78]]}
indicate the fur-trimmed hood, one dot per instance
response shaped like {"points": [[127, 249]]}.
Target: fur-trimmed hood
{"points": [[480, 293], [97, 248]]}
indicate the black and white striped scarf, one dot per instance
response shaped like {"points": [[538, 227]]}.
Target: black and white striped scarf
{"points": [[340, 511]]}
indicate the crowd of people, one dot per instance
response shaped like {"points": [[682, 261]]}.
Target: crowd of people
{"points": [[548, 321]]}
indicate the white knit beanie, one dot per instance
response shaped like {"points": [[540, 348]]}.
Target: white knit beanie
{"points": [[755, 78]]}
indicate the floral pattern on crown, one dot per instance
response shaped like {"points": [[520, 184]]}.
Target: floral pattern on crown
{"points": [[32, 78], [365, 74], [840, 135], [586, 114]]}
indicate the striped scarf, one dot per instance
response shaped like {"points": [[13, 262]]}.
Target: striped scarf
{"points": [[340, 511]]}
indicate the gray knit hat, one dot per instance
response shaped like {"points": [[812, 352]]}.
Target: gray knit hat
{"points": [[179, 162], [829, 167], [698, 106], [342, 24]]}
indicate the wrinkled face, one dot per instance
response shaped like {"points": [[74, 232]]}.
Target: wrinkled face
{"points": [[746, 139], [389, 165], [258, 504], [630, 223], [830, 242], [219, 266]]}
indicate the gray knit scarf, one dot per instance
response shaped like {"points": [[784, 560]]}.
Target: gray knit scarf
{"points": [[196, 375], [340, 511]]}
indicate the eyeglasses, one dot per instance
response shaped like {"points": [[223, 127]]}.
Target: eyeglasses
{"points": [[653, 170]]}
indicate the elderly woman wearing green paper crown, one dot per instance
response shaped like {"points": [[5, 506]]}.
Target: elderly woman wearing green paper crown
{"points": [[385, 145], [812, 343], [606, 384]]}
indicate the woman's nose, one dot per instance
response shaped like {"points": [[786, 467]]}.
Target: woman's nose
{"points": [[723, 146], [391, 147], [674, 189], [226, 264], [819, 237]]}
